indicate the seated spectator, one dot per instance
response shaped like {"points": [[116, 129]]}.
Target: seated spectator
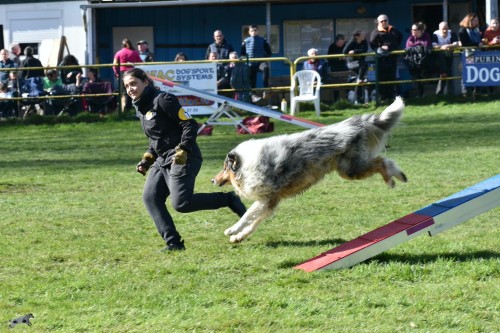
{"points": [[491, 35], [315, 64], [14, 82], [94, 85], [7, 106], [446, 41], [54, 86], [417, 54], [52, 81], [68, 75], [180, 57], [31, 62], [5, 62]]}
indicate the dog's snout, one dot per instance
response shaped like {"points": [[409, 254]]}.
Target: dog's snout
{"points": [[214, 182]]}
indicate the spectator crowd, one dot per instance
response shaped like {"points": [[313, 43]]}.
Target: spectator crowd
{"points": [[426, 54]]}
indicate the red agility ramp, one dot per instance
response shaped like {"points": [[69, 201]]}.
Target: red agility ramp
{"points": [[432, 219]]}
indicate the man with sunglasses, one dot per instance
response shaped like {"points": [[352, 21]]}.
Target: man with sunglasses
{"points": [[385, 39]]}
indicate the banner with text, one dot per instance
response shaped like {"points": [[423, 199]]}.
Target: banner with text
{"points": [[202, 76], [481, 68]]}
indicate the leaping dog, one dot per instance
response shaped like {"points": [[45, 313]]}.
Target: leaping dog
{"points": [[271, 169]]}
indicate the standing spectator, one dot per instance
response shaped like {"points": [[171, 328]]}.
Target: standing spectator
{"points": [[68, 75], [337, 47], [172, 161], [358, 45], [444, 40], [5, 62], [318, 65], [15, 52], [256, 47], [144, 52], [220, 46], [469, 35], [180, 57], [417, 54], [337, 64], [385, 39], [126, 54], [31, 61], [491, 35]]}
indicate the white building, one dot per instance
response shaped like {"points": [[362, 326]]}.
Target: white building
{"points": [[30, 23]]}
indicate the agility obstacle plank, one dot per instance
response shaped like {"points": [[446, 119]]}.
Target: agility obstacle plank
{"points": [[227, 103], [432, 219]]}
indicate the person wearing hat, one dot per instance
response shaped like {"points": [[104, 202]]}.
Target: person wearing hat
{"points": [[384, 40], [143, 48]]}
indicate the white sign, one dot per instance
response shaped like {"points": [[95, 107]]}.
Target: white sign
{"points": [[201, 76]]}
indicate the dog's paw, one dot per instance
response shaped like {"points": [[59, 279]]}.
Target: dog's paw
{"points": [[401, 176], [229, 232], [235, 239]]}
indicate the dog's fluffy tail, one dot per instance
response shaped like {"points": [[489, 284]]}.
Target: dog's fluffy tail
{"points": [[390, 116]]}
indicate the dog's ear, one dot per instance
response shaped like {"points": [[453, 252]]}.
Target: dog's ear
{"points": [[233, 161]]}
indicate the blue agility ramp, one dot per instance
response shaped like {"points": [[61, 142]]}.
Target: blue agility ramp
{"points": [[433, 219]]}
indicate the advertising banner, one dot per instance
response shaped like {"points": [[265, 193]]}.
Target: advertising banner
{"points": [[202, 76], [481, 68]]}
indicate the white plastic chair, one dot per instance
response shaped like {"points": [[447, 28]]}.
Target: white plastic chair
{"points": [[309, 84]]}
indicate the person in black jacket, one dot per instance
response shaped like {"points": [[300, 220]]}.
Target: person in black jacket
{"points": [[173, 158], [68, 75], [29, 62], [357, 64], [385, 39], [220, 45]]}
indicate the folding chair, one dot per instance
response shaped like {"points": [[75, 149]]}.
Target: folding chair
{"points": [[308, 83], [104, 99]]}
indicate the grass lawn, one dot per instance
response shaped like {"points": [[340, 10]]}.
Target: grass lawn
{"points": [[79, 251]]}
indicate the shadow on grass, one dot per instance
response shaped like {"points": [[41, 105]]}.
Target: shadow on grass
{"points": [[433, 257], [330, 242], [386, 258]]}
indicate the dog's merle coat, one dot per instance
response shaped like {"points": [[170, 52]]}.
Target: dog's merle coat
{"points": [[271, 169]]}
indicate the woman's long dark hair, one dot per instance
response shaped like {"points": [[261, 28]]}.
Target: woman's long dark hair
{"points": [[139, 74]]}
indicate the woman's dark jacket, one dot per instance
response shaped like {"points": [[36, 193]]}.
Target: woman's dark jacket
{"points": [[167, 125]]}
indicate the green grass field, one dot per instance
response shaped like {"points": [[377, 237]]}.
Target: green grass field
{"points": [[79, 251]]}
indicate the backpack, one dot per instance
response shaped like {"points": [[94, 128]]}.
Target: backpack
{"points": [[417, 56], [256, 125], [240, 80]]}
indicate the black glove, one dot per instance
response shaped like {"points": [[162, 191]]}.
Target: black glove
{"points": [[180, 156], [147, 161]]}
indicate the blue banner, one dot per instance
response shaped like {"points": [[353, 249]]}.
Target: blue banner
{"points": [[481, 68]]}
